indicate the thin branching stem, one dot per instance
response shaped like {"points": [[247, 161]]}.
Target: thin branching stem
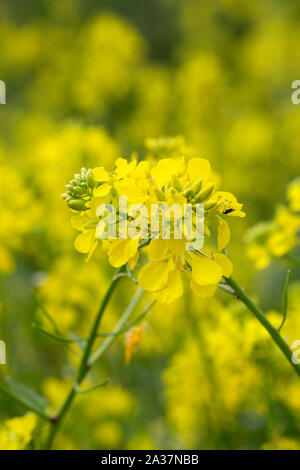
{"points": [[86, 364], [259, 314]]}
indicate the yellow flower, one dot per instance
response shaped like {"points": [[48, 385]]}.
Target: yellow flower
{"points": [[16, 433], [228, 204], [174, 250], [122, 252], [132, 341], [293, 195], [276, 238]]}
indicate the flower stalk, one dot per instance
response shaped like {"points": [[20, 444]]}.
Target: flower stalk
{"points": [[86, 363], [259, 314]]}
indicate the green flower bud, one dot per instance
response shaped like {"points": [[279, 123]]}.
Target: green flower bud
{"points": [[197, 186], [188, 192], [186, 186], [83, 172], [205, 193], [77, 204], [208, 205], [160, 194], [90, 178], [176, 183], [78, 191]]}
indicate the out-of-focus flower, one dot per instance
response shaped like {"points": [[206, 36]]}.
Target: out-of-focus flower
{"points": [[108, 434], [16, 433], [132, 341], [293, 195], [278, 237]]}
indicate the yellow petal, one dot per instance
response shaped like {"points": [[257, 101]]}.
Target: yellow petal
{"points": [[106, 244], [79, 221], [100, 174], [121, 251], [84, 241], [223, 234], [93, 248], [142, 170], [158, 249], [135, 192], [123, 167], [100, 229], [173, 289], [133, 261], [203, 291], [102, 190], [154, 276], [199, 168], [164, 170], [177, 247], [225, 264], [205, 271]]}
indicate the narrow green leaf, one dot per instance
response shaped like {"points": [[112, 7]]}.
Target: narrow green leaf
{"points": [[90, 389], [61, 339], [26, 396]]}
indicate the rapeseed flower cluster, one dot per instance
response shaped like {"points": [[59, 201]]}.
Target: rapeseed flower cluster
{"points": [[278, 237], [170, 181], [228, 91]]}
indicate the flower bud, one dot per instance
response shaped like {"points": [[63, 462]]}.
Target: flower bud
{"points": [[77, 204], [160, 194], [197, 186], [188, 192], [176, 183], [208, 205], [78, 191], [83, 172], [205, 193], [90, 178]]}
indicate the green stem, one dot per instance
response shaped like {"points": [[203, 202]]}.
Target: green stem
{"points": [[84, 365], [259, 314], [120, 324]]}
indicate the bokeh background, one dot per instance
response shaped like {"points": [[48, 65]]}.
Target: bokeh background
{"points": [[88, 81]]}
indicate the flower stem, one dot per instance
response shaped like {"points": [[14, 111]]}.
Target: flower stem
{"points": [[120, 324], [259, 314], [85, 366]]}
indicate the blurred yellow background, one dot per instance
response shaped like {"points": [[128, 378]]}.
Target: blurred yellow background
{"points": [[87, 82]]}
